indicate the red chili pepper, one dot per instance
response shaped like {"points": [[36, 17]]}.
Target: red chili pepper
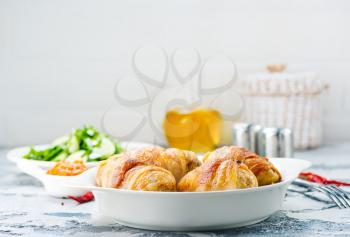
{"points": [[312, 177], [87, 197]]}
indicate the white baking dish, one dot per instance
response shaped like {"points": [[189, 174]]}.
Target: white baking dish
{"points": [[186, 211]]}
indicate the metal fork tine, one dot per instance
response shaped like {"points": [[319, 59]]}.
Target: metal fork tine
{"points": [[345, 193], [331, 196], [337, 195], [341, 193], [340, 197], [313, 197]]}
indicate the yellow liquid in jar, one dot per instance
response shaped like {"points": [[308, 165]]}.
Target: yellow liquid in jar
{"points": [[198, 130]]}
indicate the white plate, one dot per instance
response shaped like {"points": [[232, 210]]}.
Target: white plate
{"points": [[186, 211], [17, 154], [52, 183]]}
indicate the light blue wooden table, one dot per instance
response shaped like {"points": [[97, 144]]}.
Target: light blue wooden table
{"points": [[25, 209]]}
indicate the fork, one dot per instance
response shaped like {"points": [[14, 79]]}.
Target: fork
{"points": [[339, 196]]}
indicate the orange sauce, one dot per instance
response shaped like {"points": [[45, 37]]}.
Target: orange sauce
{"points": [[67, 168], [198, 130]]}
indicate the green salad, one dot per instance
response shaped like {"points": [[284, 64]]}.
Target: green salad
{"points": [[85, 143]]}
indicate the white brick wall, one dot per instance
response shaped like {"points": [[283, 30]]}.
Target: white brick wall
{"points": [[59, 59]]}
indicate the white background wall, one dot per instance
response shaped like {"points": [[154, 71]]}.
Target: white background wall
{"points": [[60, 59]]}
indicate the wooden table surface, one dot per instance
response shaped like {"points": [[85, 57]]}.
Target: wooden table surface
{"points": [[25, 209]]}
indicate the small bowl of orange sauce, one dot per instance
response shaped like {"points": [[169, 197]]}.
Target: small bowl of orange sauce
{"points": [[68, 168]]}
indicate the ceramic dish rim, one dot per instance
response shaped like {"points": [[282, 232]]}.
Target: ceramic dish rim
{"points": [[284, 181]]}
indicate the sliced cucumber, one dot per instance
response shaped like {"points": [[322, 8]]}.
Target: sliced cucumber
{"points": [[91, 142], [79, 155], [60, 141], [95, 157], [106, 148], [73, 144], [61, 156], [118, 147]]}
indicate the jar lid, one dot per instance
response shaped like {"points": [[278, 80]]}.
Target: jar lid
{"points": [[276, 68]]}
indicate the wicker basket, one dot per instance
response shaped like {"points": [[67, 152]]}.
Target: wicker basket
{"points": [[282, 99]]}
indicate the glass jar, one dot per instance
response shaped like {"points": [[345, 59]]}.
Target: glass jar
{"points": [[198, 130]]}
